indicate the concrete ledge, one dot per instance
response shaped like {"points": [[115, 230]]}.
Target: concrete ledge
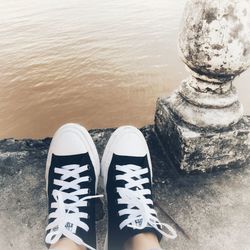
{"points": [[209, 211], [192, 148]]}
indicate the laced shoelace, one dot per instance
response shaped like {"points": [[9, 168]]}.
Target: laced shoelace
{"points": [[138, 211], [68, 213]]}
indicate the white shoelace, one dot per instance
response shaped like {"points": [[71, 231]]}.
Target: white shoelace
{"points": [[68, 214], [139, 214]]}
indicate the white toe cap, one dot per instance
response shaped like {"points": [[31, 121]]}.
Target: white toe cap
{"points": [[68, 140], [130, 142]]}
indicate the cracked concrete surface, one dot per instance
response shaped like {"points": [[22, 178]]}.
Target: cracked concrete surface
{"points": [[209, 211]]}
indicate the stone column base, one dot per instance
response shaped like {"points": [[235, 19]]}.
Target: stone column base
{"points": [[195, 149]]}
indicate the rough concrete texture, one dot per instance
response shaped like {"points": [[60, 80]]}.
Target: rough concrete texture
{"points": [[204, 109], [196, 149], [214, 43], [209, 211], [214, 40]]}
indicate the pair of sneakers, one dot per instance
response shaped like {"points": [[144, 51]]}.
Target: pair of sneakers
{"points": [[72, 172]]}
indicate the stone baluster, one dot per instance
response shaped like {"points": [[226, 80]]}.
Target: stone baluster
{"points": [[201, 125]]}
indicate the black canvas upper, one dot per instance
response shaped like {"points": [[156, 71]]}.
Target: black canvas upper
{"points": [[81, 160], [117, 237]]}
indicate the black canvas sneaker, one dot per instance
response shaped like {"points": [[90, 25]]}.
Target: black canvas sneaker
{"points": [[72, 172], [127, 172]]}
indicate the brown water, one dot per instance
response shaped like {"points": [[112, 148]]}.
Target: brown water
{"points": [[101, 63]]}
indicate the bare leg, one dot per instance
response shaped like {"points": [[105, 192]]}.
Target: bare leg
{"points": [[66, 244], [143, 241]]}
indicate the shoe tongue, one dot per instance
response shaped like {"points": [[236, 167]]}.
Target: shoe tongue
{"points": [[71, 227], [138, 222]]}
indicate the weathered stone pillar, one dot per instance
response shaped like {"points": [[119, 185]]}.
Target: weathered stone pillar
{"points": [[201, 125]]}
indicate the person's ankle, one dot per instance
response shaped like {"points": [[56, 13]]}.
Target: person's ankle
{"points": [[143, 241], [65, 244]]}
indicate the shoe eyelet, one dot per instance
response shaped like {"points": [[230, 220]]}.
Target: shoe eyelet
{"points": [[90, 179]]}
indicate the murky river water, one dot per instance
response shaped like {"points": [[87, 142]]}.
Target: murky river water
{"points": [[101, 63]]}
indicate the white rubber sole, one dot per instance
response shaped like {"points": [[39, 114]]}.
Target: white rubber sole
{"points": [[108, 154], [87, 140], [106, 242]]}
